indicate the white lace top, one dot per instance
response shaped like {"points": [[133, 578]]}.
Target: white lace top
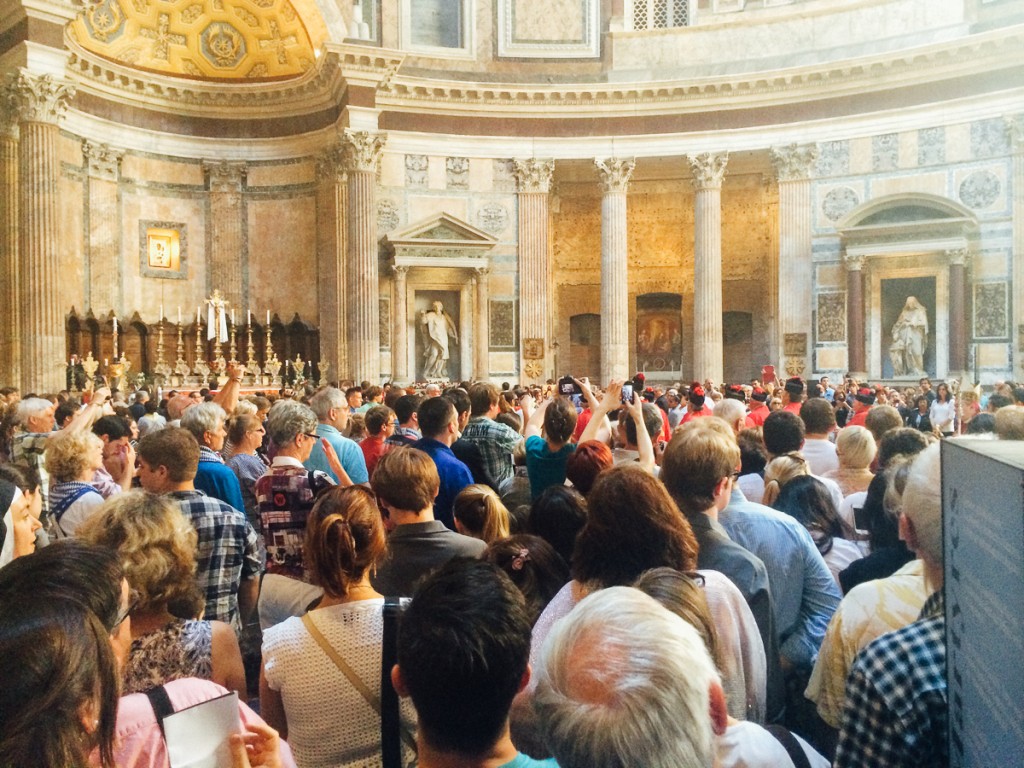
{"points": [[329, 721]]}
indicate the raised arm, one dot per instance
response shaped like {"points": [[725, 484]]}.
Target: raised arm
{"points": [[227, 397], [536, 420], [608, 403], [643, 437]]}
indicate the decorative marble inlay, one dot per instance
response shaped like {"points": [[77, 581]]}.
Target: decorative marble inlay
{"points": [[493, 218], [416, 170], [931, 146], [989, 138], [504, 175], [251, 39], [794, 344], [456, 172], [885, 152], [556, 28], [384, 307], [794, 162], [387, 215], [834, 158], [990, 310], [980, 189], [839, 202], [831, 317], [502, 324]]}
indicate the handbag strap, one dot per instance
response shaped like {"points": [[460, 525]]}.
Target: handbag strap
{"points": [[341, 664], [371, 698], [161, 703], [389, 722]]}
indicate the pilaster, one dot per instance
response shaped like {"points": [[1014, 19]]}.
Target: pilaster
{"points": [[856, 353], [708, 172], [615, 174], [793, 167], [958, 258], [226, 181], [332, 191], [534, 186], [400, 332], [40, 102], [10, 349], [103, 246], [1016, 128], [361, 152], [481, 329]]}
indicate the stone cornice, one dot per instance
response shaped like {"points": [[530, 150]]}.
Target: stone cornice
{"points": [[319, 89], [990, 51]]}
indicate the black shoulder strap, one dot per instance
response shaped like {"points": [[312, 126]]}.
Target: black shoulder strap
{"points": [[161, 704], [791, 745], [391, 746]]}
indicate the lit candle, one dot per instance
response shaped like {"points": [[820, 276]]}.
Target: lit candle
{"points": [[161, 312], [199, 317], [115, 327], [179, 314], [248, 317], [104, 362], [232, 316], [268, 317]]}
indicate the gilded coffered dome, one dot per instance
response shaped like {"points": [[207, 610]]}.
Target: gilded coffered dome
{"points": [[206, 39]]}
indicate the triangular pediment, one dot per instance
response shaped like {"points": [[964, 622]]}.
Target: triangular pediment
{"points": [[441, 230]]}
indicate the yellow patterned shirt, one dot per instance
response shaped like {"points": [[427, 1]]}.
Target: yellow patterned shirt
{"points": [[867, 612]]}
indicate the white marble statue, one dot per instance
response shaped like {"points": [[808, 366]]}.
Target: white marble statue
{"points": [[909, 340], [436, 326]]}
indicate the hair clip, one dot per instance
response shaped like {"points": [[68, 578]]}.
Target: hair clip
{"points": [[520, 557]]}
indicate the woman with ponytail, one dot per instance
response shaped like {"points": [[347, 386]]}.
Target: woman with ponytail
{"points": [[304, 693]]}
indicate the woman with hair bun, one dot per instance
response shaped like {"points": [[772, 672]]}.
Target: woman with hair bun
{"points": [[534, 567], [300, 680], [479, 513]]}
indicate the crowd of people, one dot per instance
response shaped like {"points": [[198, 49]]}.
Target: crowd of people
{"points": [[479, 575]]}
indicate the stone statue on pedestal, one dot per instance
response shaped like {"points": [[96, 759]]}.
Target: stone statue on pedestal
{"points": [[909, 340], [436, 326]]}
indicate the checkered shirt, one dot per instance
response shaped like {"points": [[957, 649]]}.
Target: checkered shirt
{"points": [[896, 708], [228, 552], [284, 498], [496, 443], [27, 448]]}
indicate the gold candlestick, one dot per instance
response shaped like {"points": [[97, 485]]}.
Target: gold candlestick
{"points": [[233, 349], [250, 354]]}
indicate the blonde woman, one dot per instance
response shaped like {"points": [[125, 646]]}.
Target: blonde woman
{"points": [[856, 449], [780, 471], [156, 545], [72, 459], [479, 513]]}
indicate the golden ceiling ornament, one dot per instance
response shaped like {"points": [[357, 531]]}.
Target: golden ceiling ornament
{"points": [[204, 39]]}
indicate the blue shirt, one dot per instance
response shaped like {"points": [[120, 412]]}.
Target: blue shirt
{"points": [[454, 477], [215, 478], [544, 467], [525, 761], [804, 594], [349, 455]]}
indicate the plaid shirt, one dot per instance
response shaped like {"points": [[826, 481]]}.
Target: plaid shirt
{"points": [[284, 498], [228, 552], [28, 448], [896, 708], [496, 443]]}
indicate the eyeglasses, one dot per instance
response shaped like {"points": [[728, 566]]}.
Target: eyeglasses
{"points": [[312, 435], [133, 602]]}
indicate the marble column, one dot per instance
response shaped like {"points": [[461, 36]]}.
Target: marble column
{"points": [[40, 101], [708, 172], [615, 175], [227, 242], [534, 184], [856, 353], [10, 349], [362, 151], [103, 246], [957, 312], [481, 325], [793, 167], [400, 333], [331, 257], [1016, 126]]}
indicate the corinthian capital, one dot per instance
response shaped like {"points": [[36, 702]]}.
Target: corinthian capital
{"points": [[534, 175], [101, 161], [224, 175], [329, 165], [794, 162], [708, 169], [615, 174], [854, 261], [38, 98], [362, 150], [958, 256]]}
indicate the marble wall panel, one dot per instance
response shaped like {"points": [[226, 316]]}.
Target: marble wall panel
{"points": [[991, 310], [834, 158], [958, 143], [392, 170], [388, 215], [456, 172], [831, 317], [830, 359], [422, 206], [981, 189], [907, 149], [885, 152], [437, 173], [834, 201], [993, 356], [861, 156], [931, 146], [69, 150], [932, 183], [831, 275], [989, 138], [281, 174], [481, 175], [417, 168], [989, 264], [504, 363], [502, 284], [553, 21], [71, 264], [495, 218], [145, 168], [282, 256]]}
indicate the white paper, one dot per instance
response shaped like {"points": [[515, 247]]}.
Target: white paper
{"points": [[197, 737]]}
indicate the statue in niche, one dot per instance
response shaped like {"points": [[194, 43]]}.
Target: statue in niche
{"points": [[436, 326], [909, 340]]}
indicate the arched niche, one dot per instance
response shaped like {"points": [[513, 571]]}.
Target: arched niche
{"points": [[895, 247]]}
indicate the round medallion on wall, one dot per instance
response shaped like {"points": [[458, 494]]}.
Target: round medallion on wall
{"points": [[980, 189], [839, 202], [493, 218], [387, 215]]}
